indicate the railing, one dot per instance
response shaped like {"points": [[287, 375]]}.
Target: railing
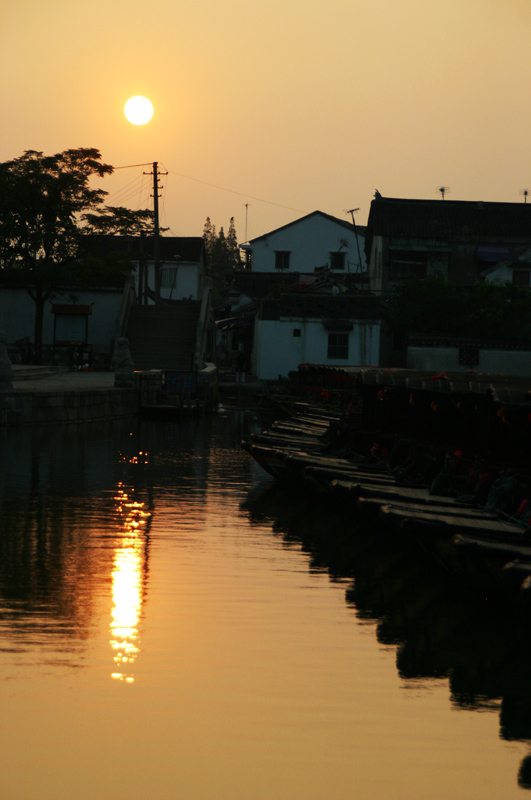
{"points": [[128, 299], [202, 329]]}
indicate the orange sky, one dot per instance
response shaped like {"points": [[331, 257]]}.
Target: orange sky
{"points": [[307, 105]]}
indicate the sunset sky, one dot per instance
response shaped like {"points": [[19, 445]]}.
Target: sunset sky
{"points": [[287, 106]]}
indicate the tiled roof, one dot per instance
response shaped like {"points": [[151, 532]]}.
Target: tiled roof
{"points": [[348, 225], [322, 306], [186, 248], [72, 309], [259, 284], [448, 219]]}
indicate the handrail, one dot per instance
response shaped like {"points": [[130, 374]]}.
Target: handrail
{"points": [[128, 299], [201, 329]]}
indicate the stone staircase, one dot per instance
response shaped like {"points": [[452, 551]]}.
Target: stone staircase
{"points": [[26, 372], [163, 337]]}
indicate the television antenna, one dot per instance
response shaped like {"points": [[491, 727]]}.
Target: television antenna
{"points": [[352, 211], [443, 190], [525, 193], [246, 212]]}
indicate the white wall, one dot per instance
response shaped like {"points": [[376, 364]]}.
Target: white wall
{"points": [[277, 351], [502, 274], [310, 242], [188, 283], [439, 359], [17, 315], [375, 264]]}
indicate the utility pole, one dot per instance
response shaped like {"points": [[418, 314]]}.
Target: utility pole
{"points": [[352, 211], [156, 227], [246, 210]]}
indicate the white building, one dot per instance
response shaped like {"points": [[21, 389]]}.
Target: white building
{"points": [[90, 315], [182, 268], [328, 330], [312, 242], [513, 270]]}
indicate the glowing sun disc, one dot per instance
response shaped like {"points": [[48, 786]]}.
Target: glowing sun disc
{"points": [[138, 110]]}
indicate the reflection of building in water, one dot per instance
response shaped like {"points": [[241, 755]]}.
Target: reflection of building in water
{"points": [[127, 591]]}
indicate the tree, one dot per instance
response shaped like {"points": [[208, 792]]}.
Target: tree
{"points": [[232, 246], [52, 220], [209, 236], [223, 254], [440, 308]]}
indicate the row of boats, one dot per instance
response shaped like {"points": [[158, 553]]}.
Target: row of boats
{"points": [[477, 535]]}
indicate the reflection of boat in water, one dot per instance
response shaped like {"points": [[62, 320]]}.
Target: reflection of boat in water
{"points": [[440, 629]]}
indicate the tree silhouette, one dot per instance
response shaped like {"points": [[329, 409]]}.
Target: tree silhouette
{"points": [[51, 222], [223, 254]]}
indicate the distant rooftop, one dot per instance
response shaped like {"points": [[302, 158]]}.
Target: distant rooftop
{"points": [[322, 306], [443, 219], [171, 248], [347, 225]]}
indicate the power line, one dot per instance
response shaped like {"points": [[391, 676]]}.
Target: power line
{"points": [[213, 185], [233, 191], [129, 191], [130, 166]]}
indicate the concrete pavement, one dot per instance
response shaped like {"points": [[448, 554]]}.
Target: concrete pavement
{"points": [[39, 379]]}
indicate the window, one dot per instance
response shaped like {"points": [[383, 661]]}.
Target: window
{"points": [[407, 264], [296, 332], [338, 345], [70, 328], [70, 322], [282, 259], [168, 278], [337, 260], [521, 277]]}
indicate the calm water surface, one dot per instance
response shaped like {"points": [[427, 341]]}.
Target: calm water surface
{"points": [[172, 625]]}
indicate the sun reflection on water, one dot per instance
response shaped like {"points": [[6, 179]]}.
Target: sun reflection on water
{"points": [[127, 587]]}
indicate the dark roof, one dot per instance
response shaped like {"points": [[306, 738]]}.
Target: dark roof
{"points": [[348, 225], [77, 309], [260, 284], [448, 219], [186, 248], [322, 306]]}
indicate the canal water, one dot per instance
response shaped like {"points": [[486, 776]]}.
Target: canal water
{"points": [[174, 625]]}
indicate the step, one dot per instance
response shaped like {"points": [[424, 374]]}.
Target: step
{"points": [[28, 372]]}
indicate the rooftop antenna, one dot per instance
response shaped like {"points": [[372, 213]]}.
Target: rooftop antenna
{"points": [[246, 210], [352, 211], [525, 192], [443, 190]]}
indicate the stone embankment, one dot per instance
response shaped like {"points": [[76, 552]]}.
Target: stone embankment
{"points": [[42, 395]]}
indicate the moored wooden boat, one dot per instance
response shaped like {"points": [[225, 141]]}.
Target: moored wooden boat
{"points": [[306, 443], [397, 511], [269, 458], [325, 477], [427, 522], [514, 573], [503, 547], [359, 488], [486, 561], [427, 502]]}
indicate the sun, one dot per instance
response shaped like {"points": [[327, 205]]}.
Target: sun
{"points": [[138, 110]]}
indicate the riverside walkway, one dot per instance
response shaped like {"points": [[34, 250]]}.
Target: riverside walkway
{"points": [[48, 396], [44, 379]]}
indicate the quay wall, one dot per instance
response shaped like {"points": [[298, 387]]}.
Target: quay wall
{"points": [[450, 359], [63, 407]]}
